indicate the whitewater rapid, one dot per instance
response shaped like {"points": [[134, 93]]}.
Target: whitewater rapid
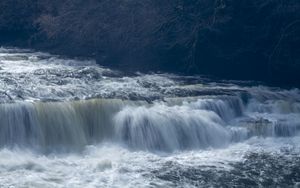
{"points": [[73, 123]]}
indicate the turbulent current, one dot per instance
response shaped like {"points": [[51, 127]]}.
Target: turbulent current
{"points": [[72, 123]]}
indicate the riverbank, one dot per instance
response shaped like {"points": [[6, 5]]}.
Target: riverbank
{"points": [[233, 39]]}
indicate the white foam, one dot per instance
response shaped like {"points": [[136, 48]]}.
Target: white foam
{"points": [[114, 166], [109, 142]]}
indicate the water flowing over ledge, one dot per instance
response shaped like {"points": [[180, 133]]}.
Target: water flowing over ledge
{"points": [[146, 112], [177, 124], [74, 119]]}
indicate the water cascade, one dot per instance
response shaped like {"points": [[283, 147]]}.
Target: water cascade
{"points": [[53, 110]]}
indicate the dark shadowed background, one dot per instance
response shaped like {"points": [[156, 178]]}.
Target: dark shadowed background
{"points": [[232, 39]]}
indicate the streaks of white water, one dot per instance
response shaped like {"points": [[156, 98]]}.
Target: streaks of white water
{"points": [[170, 128]]}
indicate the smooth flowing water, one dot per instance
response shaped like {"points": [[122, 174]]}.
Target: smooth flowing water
{"points": [[72, 123]]}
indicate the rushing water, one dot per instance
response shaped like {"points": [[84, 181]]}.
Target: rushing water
{"points": [[72, 123]]}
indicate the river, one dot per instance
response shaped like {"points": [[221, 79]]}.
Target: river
{"points": [[72, 123]]}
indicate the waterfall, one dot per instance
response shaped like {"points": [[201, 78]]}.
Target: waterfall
{"points": [[53, 104], [56, 125], [73, 123], [198, 123]]}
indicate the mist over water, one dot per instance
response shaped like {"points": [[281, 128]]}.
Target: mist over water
{"points": [[72, 123]]}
